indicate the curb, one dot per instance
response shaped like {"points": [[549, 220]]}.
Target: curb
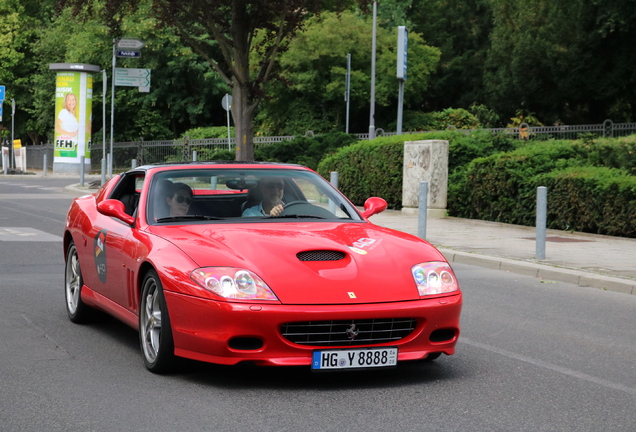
{"points": [[542, 271]]}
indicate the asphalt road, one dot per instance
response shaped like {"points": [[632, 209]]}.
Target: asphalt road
{"points": [[533, 356]]}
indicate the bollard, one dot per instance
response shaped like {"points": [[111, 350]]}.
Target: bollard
{"points": [[133, 164], [81, 171], [45, 164], [194, 155], [103, 171], [542, 211], [422, 210], [333, 179]]}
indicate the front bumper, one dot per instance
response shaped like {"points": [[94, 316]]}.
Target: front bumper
{"points": [[207, 330]]}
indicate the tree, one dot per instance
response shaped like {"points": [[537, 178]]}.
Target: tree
{"points": [[309, 94], [224, 33]]}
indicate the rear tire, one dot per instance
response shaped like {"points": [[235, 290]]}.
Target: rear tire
{"points": [[155, 331], [78, 312]]}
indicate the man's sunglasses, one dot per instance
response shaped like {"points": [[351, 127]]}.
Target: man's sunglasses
{"points": [[181, 198]]}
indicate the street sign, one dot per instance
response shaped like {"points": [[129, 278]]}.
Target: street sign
{"points": [[128, 54], [1, 93], [227, 102], [130, 43], [130, 77]]}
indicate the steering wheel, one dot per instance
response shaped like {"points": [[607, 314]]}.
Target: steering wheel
{"points": [[305, 208], [294, 203]]}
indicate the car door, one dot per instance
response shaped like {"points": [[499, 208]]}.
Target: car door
{"points": [[110, 248]]}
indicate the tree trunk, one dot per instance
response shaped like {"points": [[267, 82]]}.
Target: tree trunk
{"points": [[243, 115]]}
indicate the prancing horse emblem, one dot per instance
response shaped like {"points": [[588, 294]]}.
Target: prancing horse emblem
{"points": [[352, 331]]}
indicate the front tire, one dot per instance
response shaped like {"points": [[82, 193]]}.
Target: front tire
{"points": [[155, 331], [78, 312]]}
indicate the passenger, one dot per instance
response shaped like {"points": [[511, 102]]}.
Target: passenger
{"points": [[272, 190], [179, 198]]}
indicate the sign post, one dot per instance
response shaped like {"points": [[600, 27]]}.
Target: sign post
{"points": [[1, 100], [402, 50], [227, 106]]}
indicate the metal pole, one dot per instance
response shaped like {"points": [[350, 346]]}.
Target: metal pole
{"points": [[112, 109], [11, 150], [542, 211], [82, 171], [229, 144], [333, 179], [422, 210], [104, 89], [5, 163], [400, 106], [348, 89], [372, 111], [46, 162]]}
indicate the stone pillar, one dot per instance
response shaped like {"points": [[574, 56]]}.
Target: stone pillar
{"points": [[425, 161]]}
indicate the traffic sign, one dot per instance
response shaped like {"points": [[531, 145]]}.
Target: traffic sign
{"points": [[128, 54], [1, 93], [130, 43], [130, 77], [227, 102]]}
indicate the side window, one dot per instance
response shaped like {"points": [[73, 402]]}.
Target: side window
{"points": [[128, 190]]}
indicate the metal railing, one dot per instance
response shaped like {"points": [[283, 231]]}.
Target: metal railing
{"points": [[148, 152]]}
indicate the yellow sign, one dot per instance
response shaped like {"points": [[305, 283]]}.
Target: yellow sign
{"points": [[17, 144]]}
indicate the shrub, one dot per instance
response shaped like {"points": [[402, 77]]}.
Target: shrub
{"points": [[591, 199], [306, 151], [363, 167]]}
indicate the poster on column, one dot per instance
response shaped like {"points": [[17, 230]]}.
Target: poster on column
{"points": [[73, 110]]}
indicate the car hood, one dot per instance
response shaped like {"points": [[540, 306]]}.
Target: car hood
{"points": [[373, 264]]}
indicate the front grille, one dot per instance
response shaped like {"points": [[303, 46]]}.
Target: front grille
{"points": [[348, 332], [321, 255]]}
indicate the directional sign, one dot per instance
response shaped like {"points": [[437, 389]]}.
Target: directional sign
{"points": [[128, 54], [130, 77], [130, 43], [1, 93]]}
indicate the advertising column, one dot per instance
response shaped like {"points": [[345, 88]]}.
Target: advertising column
{"points": [[73, 116]]}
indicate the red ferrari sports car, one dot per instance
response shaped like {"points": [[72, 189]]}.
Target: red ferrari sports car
{"points": [[229, 262]]}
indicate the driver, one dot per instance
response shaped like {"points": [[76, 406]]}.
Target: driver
{"points": [[272, 190]]}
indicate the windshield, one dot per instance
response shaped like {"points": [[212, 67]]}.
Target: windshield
{"points": [[244, 195]]}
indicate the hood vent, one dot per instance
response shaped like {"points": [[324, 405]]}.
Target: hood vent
{"points": [[321, 255]]}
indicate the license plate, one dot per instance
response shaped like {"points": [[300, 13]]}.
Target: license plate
{"points": [[354, 358]]}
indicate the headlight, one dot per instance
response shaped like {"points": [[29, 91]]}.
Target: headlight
{"points": [[233, 283], [434, 278]]}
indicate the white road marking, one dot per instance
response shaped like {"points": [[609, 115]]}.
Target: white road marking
{"points": [[26, 234]]}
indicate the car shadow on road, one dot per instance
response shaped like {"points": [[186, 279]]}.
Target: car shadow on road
{"points": [[293, 378]]}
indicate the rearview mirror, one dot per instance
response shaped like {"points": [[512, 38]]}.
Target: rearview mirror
{"points": [[372, 206], [115, 208]]}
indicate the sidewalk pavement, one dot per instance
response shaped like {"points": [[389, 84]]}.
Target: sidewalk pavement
{"points": [[588, 260]]}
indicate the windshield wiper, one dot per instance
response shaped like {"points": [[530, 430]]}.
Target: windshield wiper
{"points": [[188, 217]]}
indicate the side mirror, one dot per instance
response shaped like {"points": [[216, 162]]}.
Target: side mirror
{"points": [[115, 208], [372, 206]]}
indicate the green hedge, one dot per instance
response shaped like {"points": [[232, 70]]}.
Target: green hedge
{"points": [[591, 182], [590, 199], [306, 151], [374, 168]]}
